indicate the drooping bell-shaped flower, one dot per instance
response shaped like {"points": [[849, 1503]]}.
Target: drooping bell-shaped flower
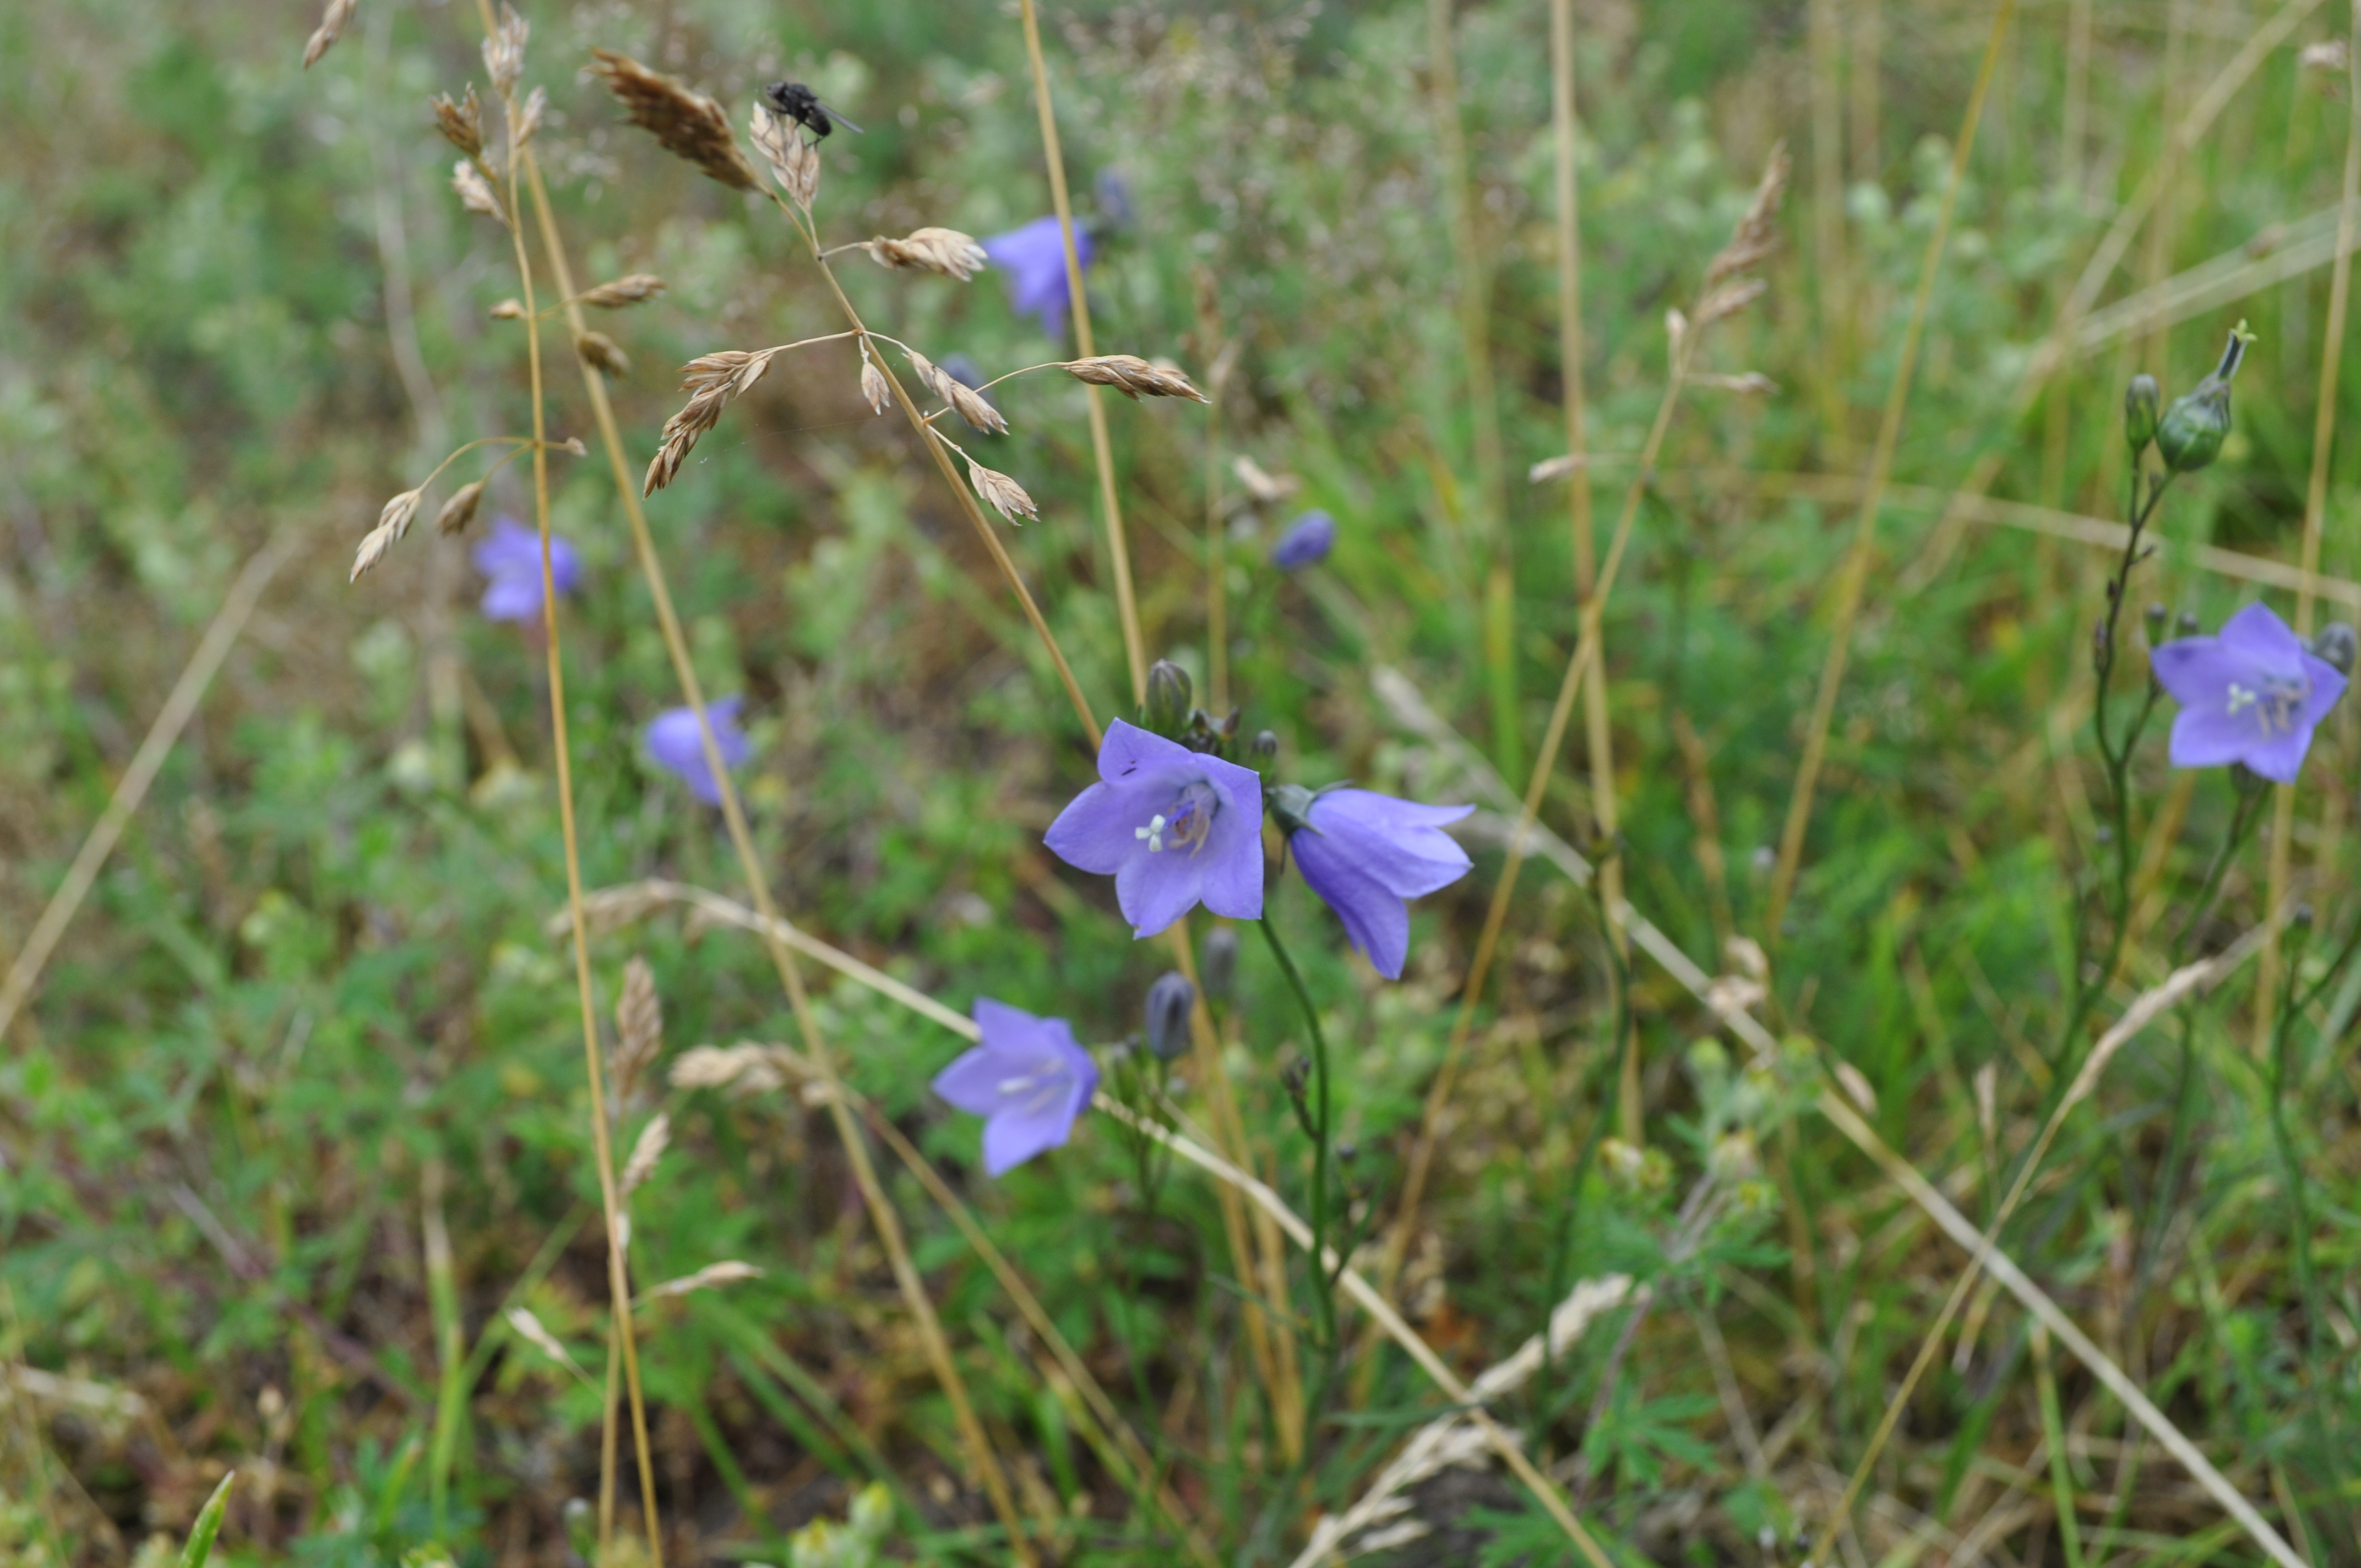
{"points": [[679, 749], [2253, 695], [1174, 828], [1026, 1078], [511, 556], [1034, 257], [1305, 542], [1365, 854]]}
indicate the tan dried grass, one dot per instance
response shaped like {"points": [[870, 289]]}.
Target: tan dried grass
{"points": [[1005, 495], [1133, 376], [332, 23], [461, 122], [712, 381], [602, 354], [639, 1026], [944, 251], [632, 289], [460, 510], [794, 161], [476, 192], [392, 521], [686, 123], [504, 52]]}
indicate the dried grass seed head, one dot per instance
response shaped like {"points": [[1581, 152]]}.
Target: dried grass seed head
{"points": [[645, 1151], [476, 192], [873, 388], [639, 1026], [504, 52], [712, 380], [944, 251], [795, 162], [462, 124], [528, 120], [392, 521], [333, 20], [632, 289], [687, 124], [1267, 489], [509, 310], [1005, 494], [1756, 235], [1133, 376], [728, 1272], [602, 354], [460, 510], [970, 406]]}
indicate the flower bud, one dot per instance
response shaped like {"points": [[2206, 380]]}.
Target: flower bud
{"points": [[1170, 1000], [1170, 696], [1290, 806], [2140, 400], [2187, 623], [2191, 434], [2335, 644], [2156, 618], [1266, 744], [1217, 966]]}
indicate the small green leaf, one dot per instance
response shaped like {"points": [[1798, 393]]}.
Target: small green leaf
{"points": [[208, 1525]]}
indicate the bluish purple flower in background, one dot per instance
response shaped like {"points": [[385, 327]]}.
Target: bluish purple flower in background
{"points": [[1173, 827], [1114, 192], [1363, 853], [2251, 694], [511, 556], [1027, 1078], [1034, 257], [679, 749], [1306, 540]]}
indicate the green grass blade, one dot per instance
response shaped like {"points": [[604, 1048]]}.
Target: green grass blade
{"points": [[208, 1525]]}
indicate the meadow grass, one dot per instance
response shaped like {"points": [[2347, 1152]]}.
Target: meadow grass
{"points": [[1864, 1103]]}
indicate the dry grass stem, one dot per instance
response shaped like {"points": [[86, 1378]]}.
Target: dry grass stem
{"points": [[1005, 495], [945, 251], [713, 382], [632, 289], [476, 192], [461, 122], [648, 1149], [333, 20], [795, 162], [685, 124], [602, 354], [1133, 376], [460, 510]]}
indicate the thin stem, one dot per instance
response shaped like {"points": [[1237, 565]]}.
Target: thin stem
{"points": [[1855, 579], [1322, 1125], [1102, 445]]}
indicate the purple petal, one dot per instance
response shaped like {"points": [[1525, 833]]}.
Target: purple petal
{"points": [[1155, 890], [509, 547], [513, 596], [1376, 920], [1094, 832], [1308, 539], [2280, 757], [972, 1082], [674, 742], [2206, 737], [2327, 685], [1233, 883], [1398, 844], [2198, 670], [1034, 257], [2257, 633]]}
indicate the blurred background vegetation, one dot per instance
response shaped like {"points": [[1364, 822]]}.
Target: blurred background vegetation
{"points": [[312, 1016]]}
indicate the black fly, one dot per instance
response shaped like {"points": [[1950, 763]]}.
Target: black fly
{"points": [[801, 104]]}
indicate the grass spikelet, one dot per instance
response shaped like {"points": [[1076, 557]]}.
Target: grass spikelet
{"points": [[1267, 489], [632, 289], [945, 251], [460, 510], [712, 380], [728, 1272], [461, 122], [654, 1139], [1755, 238], [687, 124], [504, 52], [1004, 495], [1133, 376], [392, 525], [476, 192], [333, 20], [509, 310], [536, 104], [531, 1330], [873, 390], [971, 406], [744, 1068], [602, 354], [639, 1026], [794, 161], [1748, 383]]}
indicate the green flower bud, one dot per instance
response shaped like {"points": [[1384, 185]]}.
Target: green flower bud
{"points": [[2191, 434], [1170, 696], [2140, 400]]}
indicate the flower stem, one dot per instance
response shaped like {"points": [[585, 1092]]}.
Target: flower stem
{"points": [[1322, 1126]]}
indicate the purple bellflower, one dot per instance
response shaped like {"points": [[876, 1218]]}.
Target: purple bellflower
{"points": [[1306, 540], [2251, 694], [1172, 826], [679, 749], [1027, 1078], [1034, 257], [511, 556], [1364, 854]]}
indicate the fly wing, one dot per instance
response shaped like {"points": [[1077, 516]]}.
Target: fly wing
{"points": [[842, 118]]}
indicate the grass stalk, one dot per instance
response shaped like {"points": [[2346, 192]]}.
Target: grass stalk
{"points": [[1855, 572], [451, 1385], [1598, 734], [1126, 603], [2315, 502], [1831, 295], [882, 1213], [1495, 599]]}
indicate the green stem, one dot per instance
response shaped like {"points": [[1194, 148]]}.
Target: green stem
{"points": [[1322, 1127]]}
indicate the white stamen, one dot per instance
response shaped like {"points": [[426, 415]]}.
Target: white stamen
{"points": [[1153, 833]]}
